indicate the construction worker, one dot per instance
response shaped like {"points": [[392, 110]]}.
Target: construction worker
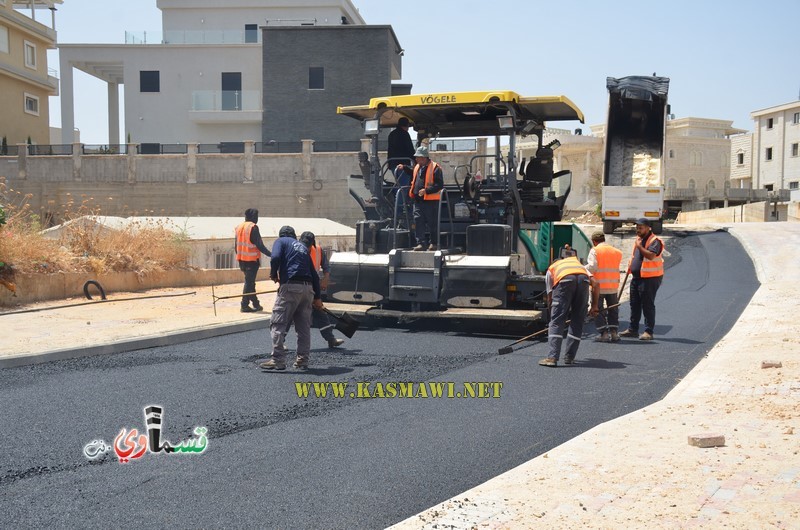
{"points": [[400, 148], [603, 263], [647, 270], [320, 319], [426, 186], [567, 282], [249, 248], [298, 292]]}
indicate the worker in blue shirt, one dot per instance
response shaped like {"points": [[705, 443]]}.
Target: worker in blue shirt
{"points": [[299, 292]]}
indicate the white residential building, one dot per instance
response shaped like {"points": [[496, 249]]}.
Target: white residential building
{"points": [[197, 80], [776, 147]]}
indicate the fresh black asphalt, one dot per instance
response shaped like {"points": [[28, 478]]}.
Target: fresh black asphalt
{"points": [[278, 461]]}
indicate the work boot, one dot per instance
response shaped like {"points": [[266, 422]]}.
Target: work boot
{"points": [[549, 361], [646, 336], [258, 307], [247, 309], [629, 333], [334, 343], [272, 364], [419, 247], [432, 247], [614, 336], [300, 364], [603, 337], [569, 360]]}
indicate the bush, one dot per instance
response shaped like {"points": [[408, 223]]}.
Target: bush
{"points": [[84, 245]]}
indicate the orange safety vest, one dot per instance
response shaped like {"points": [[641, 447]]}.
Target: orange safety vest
{"points": [[428, 181], [316, 257], [245, 250], [565, 267], [651, 268], [607, 274]]}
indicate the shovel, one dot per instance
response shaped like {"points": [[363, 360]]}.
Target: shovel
{"points": [[346, 324]]}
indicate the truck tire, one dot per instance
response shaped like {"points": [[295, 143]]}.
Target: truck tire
{"points": [[657, 227], [608, 227]]}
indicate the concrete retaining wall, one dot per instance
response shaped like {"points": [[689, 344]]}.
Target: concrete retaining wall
{"points": [[753, 212], [306, 184], [40, 287]]}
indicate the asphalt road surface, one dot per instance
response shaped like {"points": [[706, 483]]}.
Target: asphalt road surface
{"points": [[276, 460]]}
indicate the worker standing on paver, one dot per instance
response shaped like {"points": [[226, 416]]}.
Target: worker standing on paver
{"points": [[647, 270], [603, 262], [249, 248], [426, 186], [319, 318], [567, 282], [299, 291]]}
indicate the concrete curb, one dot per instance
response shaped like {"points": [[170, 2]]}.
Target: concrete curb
{"points": [[151, 341]]}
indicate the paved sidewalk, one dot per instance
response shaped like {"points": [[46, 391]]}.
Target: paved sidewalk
{"points": [[112, 327], [639, 471]]}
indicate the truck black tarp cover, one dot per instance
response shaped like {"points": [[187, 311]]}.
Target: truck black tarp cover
{"points": [[638, 87]]}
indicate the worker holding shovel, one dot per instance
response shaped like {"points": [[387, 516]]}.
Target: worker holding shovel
{"points": [[568, 283]]}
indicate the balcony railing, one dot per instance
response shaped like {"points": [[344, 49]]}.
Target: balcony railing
{"points": [[226, 100], [228, 36], [740, 194]]}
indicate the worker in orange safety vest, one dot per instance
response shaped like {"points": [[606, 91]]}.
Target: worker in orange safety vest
{"points": [[603, 263], [249, 248], [320, 319], [647, 270], [568, 284]]}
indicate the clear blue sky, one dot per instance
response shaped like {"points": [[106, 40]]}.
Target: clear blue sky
{"points": [[724, 59]]}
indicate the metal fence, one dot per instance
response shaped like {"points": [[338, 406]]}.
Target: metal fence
{"points": [[9, 150], [279, 147], [118, 149], [154, 148], [50, 150], [337, 147], [221, 148]]}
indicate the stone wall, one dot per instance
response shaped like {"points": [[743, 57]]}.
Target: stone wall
{"points": [[306, 184]]}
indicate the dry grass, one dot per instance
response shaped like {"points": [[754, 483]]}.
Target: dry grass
{"points": [[85, 246]]}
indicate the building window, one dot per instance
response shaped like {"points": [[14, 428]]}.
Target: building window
{"points": [[672, 184], [794, 185], [794, 149], [30, 55], [796, 118], [250, 33], [768, 187], [740, 159], [223, 260], [3, 39], [696, 158], [149, 81], [768, 154], [316, 78], [31, 104], [711, 185], [770, 123], [692, 184], [672, 153]]}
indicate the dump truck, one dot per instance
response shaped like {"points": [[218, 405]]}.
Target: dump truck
{"points": [[633, 173], [498, 231]]}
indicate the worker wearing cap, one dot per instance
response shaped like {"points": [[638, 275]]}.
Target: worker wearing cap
{"points": [[568, 284], [401, 148], [426, 186], [299, 291], [249, 248], [319, 318], [603, 262], [647, 270]]}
